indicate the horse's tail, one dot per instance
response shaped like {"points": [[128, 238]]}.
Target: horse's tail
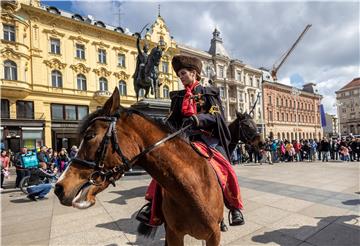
{"points": [[146, 230]]}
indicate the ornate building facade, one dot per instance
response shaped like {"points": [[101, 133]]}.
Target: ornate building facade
{"points": [[348, 103], [239, 83], [291, 113], [57, 67]]}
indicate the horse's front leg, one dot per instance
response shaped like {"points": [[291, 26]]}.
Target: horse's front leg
{"points": [[172, 238]]}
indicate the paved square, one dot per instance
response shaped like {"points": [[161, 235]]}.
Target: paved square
{"points": [[305, 204]]}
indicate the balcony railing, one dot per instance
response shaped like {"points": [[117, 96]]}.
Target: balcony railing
{"points": [[101, 96]]}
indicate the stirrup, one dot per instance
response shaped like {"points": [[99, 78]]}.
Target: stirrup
{"points": [[141, 218], [232, 223]]}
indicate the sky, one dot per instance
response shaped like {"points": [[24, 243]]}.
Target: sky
{"points": [[256, 32]]}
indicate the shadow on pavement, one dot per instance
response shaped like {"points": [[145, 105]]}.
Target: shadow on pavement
{"points": [[129, 226], [324, 233], [22, 200], [353, 202], [129, 194]]}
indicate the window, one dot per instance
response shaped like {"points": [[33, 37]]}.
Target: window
{"points": [[222, 92], [166, 92], [282, 117], [270, 116], [9, 33], [55, 46], [251, 81], [103, 84], [277, 101], [56, 79], [68, 112], [24, 110], [286, 102], [238, 75], [282, 102], [287, 117], [221, 71], [165, 67], [278, 116], [122, 88], [80, 51], [121, 60], [102, 56], [81, 82], [5, 112], [10, 70], [269, 100], [82, 111]]}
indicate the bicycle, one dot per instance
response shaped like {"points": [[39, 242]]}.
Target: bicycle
{"points": [[24, 183]]}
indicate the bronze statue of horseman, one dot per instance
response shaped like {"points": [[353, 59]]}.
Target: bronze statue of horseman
{"points": [[146, 72]]}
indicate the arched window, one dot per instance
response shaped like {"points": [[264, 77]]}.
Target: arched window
{"points": [[141, 93], [103, 84], [166, 91], [122, 88], [81, 82], [10, 70], [56, 79]]}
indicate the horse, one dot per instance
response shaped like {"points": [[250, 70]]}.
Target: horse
{"points": [[150, 80], [244, 128], [114, 139]]}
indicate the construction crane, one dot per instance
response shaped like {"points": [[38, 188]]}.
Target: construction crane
{"points": [[283, 58]]}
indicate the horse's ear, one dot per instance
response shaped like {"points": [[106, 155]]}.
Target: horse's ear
{"points": [[113, 103]]}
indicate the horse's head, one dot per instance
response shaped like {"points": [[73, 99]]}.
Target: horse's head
{"points": [[244, 128], [98, 162]]}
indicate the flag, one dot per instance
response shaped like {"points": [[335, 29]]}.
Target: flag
{"points": [[322, 116]]}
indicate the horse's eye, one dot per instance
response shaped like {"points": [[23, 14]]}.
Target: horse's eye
{"points": [[89, 136]]}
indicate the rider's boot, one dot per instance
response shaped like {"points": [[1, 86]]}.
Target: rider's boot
{"points": [[144, 214], [237, 217]]}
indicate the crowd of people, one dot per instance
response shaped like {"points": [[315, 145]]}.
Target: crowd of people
{"points": [[272, 151], [44, 163]]}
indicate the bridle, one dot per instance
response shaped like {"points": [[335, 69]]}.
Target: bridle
{"points": [[126, 164]]}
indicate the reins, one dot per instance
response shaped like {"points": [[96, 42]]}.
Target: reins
{"points": [[126, 164]]}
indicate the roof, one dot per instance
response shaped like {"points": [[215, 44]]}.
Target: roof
{"points": [[354, 83]]}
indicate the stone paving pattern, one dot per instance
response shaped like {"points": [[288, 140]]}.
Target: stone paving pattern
{"points": [[300, 204]]}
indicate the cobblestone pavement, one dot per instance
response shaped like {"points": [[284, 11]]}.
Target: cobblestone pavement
{"points": [[285, 204]]}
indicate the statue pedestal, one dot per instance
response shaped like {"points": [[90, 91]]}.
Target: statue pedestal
{"points": [[155, 108]]}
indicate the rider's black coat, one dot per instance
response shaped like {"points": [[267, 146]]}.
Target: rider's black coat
{"points": [[210, 113]]}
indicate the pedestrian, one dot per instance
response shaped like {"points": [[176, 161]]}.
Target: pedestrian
{"points": [[5, 163], [36, 188], [21, 170], [73, 151], [325, 148], [63, 160]]}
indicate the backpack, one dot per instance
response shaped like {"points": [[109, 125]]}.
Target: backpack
{"points": [[29, 160]]}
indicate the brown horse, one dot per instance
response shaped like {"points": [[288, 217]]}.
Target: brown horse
{"points": [[114, 139]]}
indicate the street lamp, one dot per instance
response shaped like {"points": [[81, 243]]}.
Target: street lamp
{"points": [[337, 105], [296, 92]]}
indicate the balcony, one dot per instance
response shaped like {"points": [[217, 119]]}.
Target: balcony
{"points": [[102, 96], [15, 88]]}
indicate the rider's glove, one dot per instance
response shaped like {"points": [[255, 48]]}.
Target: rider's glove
{"points": [[192, 120]]}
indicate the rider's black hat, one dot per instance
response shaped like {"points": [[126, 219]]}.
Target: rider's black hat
{"points": [[180, 61]]}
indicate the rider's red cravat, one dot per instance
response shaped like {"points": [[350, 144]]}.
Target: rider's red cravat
{"points": [[189, 105]]}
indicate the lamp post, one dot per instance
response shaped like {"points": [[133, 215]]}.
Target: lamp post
{"points": [[295, 92], [337, 105]]}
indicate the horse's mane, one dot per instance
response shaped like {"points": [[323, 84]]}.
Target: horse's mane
{"points": [[164, 126]]}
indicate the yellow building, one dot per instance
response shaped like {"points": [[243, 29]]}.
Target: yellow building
{"points": [[57, 67]]}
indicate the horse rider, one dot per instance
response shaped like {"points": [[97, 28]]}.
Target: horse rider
{"points": [[141, 60], [201, 107]]}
